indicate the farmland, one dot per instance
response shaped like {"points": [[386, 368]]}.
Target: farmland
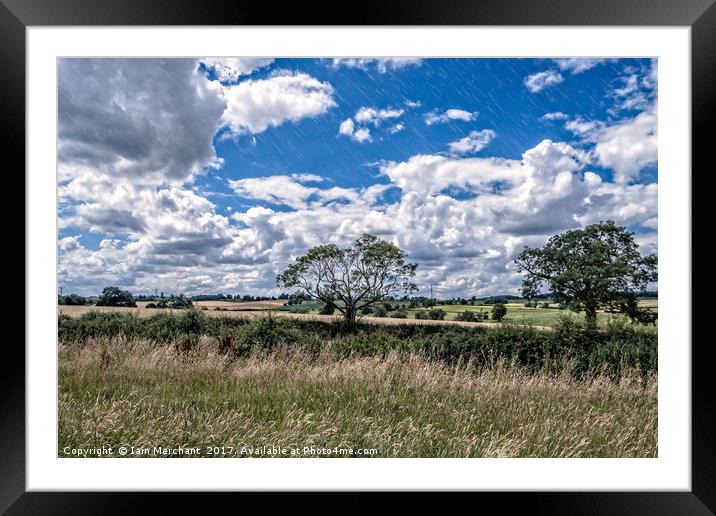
{"points": [[517, 313], [252, 313]]}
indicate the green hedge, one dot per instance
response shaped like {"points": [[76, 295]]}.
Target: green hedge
{"points": [[620, 346]]}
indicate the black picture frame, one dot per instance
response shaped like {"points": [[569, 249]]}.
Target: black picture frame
{"points": [[700, 15]]}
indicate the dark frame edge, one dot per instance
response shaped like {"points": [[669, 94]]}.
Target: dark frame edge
{"points": [[702, 499], [703, 112], [12, 136]]}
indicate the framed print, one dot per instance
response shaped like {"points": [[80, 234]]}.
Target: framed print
{"points": [[432, 237]]}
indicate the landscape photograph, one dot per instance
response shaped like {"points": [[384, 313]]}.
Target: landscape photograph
{"points": [[357, 257]]}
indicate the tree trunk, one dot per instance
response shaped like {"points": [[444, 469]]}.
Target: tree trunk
{"points": [[591, 317], [349, 315]]}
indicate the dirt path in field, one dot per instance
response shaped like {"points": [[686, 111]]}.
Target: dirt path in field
{"points": [[246, 312]]}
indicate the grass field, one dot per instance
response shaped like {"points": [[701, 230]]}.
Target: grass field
{"points": [[117, 392], [517, 313], [308, 315]]}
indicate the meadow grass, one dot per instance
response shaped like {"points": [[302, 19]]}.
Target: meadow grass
{"points": [[517, 313], [119, 391]]}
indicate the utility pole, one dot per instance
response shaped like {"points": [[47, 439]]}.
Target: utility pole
{"points": [[431, 292], [61, 290]]}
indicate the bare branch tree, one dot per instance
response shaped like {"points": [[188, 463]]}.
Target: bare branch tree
{"points": [[351, 278]]}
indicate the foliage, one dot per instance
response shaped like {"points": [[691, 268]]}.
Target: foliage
{"points": [[328, 309], [173, 302], [350, 278], [71, 299], [597, 267], [620, 346], [436, 314], [499, 311], [380, 311], [471, 316], [114, 296]]}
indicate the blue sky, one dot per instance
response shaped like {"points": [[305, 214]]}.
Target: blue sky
{"points": [[211, 174]]}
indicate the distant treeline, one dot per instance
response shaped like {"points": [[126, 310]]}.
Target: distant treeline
{"points": [[72, 299], [75, 299]]}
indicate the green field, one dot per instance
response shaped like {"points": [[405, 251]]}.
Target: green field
{"points": [[517, 313]]}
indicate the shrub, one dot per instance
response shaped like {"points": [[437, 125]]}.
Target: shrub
{"points": [[436, 314], [545, 305], [153, 305], [399, 314], [175, 302], [421, 314], [469, 316], [263, 334], [327, 309], [619, 347], [71, 299], [380, 311], [499, 311]]}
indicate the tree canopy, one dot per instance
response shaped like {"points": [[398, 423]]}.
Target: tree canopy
{"points": [[597, 267], [353, 277], [115, 296], [71, 299]]}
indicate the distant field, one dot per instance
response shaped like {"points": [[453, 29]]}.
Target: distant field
{"points": [[76, 311], [242, 305], [517, 313], [228, 305]]}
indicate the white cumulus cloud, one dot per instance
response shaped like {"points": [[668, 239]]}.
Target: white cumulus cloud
{"points": [[230, 69], [253, 106], [436, 117], [473, 142], [368, 115], [541, 80], [577, 65], [356, 127], [381, 64]]}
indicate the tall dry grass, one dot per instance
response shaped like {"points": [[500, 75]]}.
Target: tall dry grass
{"points": [[118, 392]]}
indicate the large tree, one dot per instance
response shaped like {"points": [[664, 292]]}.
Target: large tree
{"points": [[597, 267], [351, 278]]}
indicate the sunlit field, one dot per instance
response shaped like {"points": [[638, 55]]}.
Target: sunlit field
{"points": [[517, 313]]}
